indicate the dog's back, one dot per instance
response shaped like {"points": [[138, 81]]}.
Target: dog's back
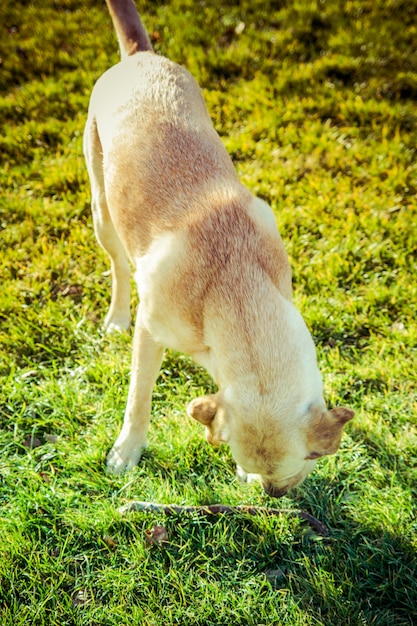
{"points": [[162, 143]]}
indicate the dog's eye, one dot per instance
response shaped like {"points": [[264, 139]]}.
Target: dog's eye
{"points": [[313, 455]]}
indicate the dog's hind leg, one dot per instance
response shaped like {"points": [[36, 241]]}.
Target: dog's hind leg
{"points": [[118, 316], [146, 362]]}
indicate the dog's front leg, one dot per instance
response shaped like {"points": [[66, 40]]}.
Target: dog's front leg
{"points": [[146, 362]]}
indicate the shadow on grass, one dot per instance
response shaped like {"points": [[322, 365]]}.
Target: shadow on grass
{"points": [[363, 575]]}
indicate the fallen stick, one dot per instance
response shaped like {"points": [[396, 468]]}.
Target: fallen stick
{"points": [[216, 509]]}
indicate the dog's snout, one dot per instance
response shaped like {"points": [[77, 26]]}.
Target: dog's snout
{"points": [[274, 491]]}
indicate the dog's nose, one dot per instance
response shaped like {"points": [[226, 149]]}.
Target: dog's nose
{"points": [[274, 491]]}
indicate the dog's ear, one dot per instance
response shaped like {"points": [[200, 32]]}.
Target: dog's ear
{"points": [[203, 409], [341, 415], [324, 431], [208, 411]]}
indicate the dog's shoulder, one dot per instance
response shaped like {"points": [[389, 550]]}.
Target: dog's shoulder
{"points": [[237, 242]]}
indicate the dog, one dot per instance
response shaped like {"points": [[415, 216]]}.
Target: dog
{"points": [[212, 273]]}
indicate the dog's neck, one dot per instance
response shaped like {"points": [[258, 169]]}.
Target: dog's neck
{"points": [[266, 347]]}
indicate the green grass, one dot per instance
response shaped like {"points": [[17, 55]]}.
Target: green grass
{"points": [[316, 103]]}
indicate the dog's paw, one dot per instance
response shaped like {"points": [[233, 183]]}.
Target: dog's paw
{"points": [[124, 456], [241, 475], [117, 323], [244, 477]]}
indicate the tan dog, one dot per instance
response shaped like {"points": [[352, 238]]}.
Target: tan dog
{"points": [[212, 273]]}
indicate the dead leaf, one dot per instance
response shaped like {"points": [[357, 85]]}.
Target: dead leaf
{"points": [[30, 442], [45, 477], [157, 535], [110, 543], [80, 598]]}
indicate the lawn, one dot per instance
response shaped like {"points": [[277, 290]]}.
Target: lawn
{"points": [[315, 101]]}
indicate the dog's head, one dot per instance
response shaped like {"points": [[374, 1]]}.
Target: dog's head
{"points": [[270, 408], [281, 452]]}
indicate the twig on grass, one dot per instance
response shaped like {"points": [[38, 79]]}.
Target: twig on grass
{"points": [[216, 509]]}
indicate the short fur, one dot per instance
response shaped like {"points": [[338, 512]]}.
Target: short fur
{"points": [[210, 266]]}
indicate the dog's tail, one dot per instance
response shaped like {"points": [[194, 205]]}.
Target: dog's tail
{"points": [[130, 31]]}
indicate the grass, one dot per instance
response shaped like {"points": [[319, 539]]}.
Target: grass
{"points": [[315, 101]]}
